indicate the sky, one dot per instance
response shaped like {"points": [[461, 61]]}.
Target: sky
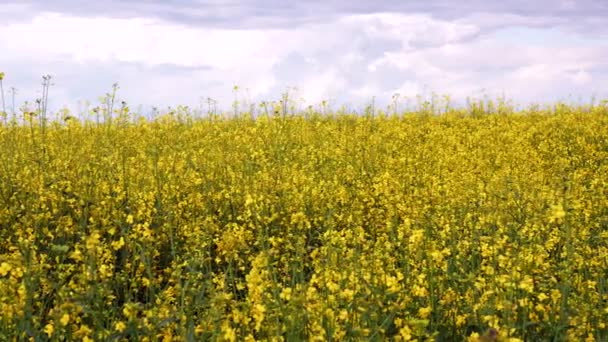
{"points": [[169, 53]]}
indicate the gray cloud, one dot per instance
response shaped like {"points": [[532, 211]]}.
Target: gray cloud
{"points": [[329, 49], [280, 13]]}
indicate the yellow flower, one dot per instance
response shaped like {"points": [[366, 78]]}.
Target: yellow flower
{"points": [[285, 293], [120, 326], [65, 319], [84, 331], [49, 329], [93, 241], [228, 332], [116, 245], [425, 312], [557, 213], [527, 284], [5, 267], [461, 320], [76, 255], [406, 333], [474, 337], [130, 310], [258, 315], [105, 271]]}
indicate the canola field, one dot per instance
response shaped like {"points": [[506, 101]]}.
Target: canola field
{"points": [[451, 227]]}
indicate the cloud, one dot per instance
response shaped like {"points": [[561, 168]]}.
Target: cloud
{"points": [[581, 77], [328, 52], [136, 40], [519, 68], [167, 53], [278, 13]]}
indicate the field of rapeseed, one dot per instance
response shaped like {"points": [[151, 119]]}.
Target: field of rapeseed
{"points": [[309, 227]]}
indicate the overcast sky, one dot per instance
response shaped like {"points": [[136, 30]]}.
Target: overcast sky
{"points": [[178, 52]]}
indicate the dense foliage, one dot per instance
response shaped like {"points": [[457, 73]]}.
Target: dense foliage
{"points": [[320, 227]]}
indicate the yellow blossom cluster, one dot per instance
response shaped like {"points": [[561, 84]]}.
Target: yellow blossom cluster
{"points": [[339, 226]]}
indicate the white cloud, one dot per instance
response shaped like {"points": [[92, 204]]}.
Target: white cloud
{"points": [[349, 58], [321, 87], [581, 77], [138, 40]]}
